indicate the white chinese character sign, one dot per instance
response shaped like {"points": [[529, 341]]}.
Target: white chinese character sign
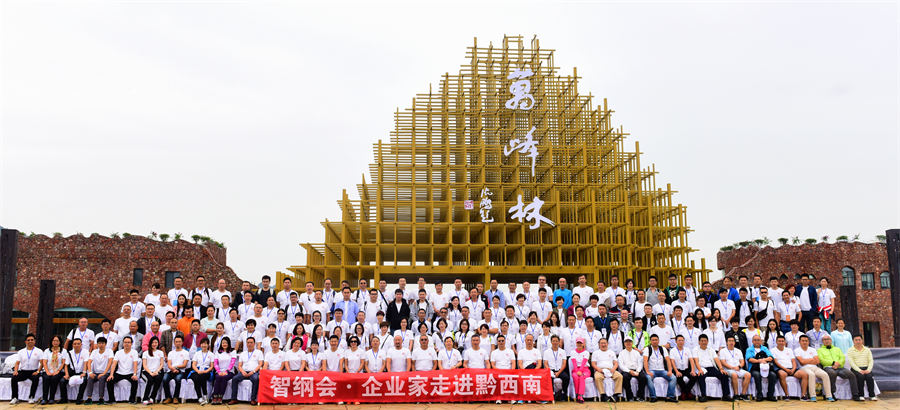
{"points": [[532, 212], [485, 206], [521, 90], [284, 387], [528, 147]]}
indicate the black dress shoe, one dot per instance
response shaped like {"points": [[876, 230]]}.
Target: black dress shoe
{"points": [[653, 400]]}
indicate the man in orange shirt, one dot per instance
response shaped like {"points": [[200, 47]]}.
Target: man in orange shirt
{"points": [[184, 324]]}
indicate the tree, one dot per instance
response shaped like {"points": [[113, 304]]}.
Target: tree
{"points": [[783, 241]]}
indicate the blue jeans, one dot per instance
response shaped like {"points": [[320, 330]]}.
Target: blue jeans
{"points": [[238, 378], [670, 392], [826, 323], [178, 377]]}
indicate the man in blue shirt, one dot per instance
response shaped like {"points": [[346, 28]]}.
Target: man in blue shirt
{"points": [[759, 357], [564, 292], [348, 306], [493, 291], [733, 294]]}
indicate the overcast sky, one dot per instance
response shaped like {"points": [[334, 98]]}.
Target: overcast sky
{"points": [[234, 120]]}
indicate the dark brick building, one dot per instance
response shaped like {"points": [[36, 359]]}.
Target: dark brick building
{"points": [[95, 273], [857, 272]]}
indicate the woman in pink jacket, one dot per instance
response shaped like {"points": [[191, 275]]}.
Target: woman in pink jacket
{"points": [[581, 368], [224, 364]]}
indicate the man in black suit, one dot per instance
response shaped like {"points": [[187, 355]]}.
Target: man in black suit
{"points": [[397, 310], [239, 296], [148, 318], [809, 302]]}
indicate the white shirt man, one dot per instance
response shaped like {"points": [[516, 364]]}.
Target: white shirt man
{"points": [[789, 311], [784, 357], [424, 359], [584, 292], [569, 335], [705, 357], [630, 359], [399, 358], [333, 356], [503, 358], [665, 334], [529, 355], [543, 310], [372, 306], [476, 358], [554, 359], [218, 293], [726, 308], [249, 361]]}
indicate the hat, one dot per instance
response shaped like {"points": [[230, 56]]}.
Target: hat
{"points": [[579, 340], [629, 339]]}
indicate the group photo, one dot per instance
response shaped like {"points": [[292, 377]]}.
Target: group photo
{"points": [[450, 204], [609, 341]]}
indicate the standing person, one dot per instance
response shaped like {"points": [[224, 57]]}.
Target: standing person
{"points": [[152, 331], [476, 357], [201, 366], [825, 301], [583, 291], [177, 290], [398, 358], [53, 362], [503, 358], [137, 307], [424, 358], [555, 360], [542, 306], [202, 290], [152, 370], [283, 298], [861, 364], [494, 292], [690, 291], [223, 362], [167, 337], [178, 361], [816, 334], [672, 290], [681, 359], [375, 358], [112, 339], [840, 337], [348, 306], [652, 292], [334, 355], [76, 372], [153, 296], [249, 363], [808, 359], [124, 367], [397, 310], [831, 359], [238, 298], [765, 308], [581, 370], [710, 366], [354, 357], [788, 311], [564, 292], [809, 303], [82, 332], [760, 361], [725, 306], [216, 295], [605, 363]]}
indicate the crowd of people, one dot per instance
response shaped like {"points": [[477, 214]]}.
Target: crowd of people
{"points": [[749, 333]]}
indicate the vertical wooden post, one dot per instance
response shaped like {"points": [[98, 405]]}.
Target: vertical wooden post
{"points": [[893, 253], [9, 241], [46, 304]]}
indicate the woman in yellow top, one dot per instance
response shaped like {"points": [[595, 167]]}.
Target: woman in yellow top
{"points": [[861, 364]]}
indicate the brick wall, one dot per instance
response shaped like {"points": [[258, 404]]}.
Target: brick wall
{"points": [[96, 272], [821, 260]]}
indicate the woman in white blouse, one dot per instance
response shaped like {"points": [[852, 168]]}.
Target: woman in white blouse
{"points": [[437, 339], [153, 369], [295, 357], [314, 357], [463, 336], [53, 362]]}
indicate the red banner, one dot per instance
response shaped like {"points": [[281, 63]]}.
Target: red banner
{"points": [[281, 387]]}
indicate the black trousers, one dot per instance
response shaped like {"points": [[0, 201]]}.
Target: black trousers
{"points": [[626, 384], [50, 384], [200, 381], [724, 380], [864, 380], [21, 377], [686, 386], [806, 319], [151, 390], [757, 380], [111, 387], [564, 376]]}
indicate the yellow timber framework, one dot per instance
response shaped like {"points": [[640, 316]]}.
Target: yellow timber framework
{"points": [[609, 215]]}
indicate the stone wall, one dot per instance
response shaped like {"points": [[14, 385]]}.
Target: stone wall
{"points": [[97, 272], [821, 260]]}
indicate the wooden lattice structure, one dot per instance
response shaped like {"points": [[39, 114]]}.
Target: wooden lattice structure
{"points": [[609, 215]]}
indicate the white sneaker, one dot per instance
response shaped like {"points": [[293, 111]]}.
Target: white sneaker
{"points": [[13, 402], [874, 398], [202, 401], [499, 402], [30, 401], [146, 402]]}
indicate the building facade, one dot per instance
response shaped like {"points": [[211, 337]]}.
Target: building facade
{"points": [[856, 271], [94, 274]]}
